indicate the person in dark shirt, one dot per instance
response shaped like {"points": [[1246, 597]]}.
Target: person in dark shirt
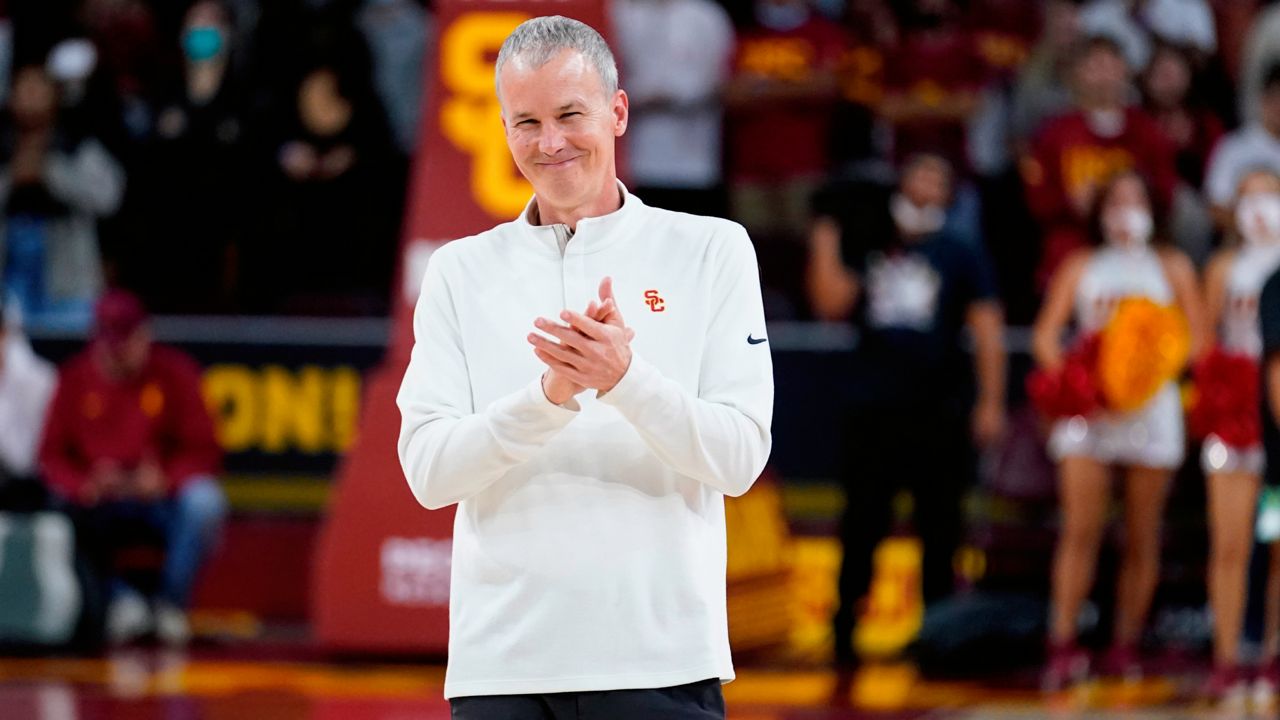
{"points": [[911, 291], [1269, 318]]}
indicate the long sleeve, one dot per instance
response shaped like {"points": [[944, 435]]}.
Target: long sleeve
{"points": [[193, 449], [89, 180], [1043, 178], [62, 466], [721, 436], [450, 452], [26, 387]]}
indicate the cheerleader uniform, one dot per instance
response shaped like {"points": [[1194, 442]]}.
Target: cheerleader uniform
{"points": [[1153, 435], [1239, 334]]}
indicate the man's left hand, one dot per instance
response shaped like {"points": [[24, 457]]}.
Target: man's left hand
{"points": [[590, 353]]}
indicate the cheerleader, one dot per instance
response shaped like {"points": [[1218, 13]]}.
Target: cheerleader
{"points": [[1146, 445], [1232, 455]]}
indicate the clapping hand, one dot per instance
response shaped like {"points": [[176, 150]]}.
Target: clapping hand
{"points": [[593, 348]]}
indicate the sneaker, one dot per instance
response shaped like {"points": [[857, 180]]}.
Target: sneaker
{"points": [[1123, 661], [172, 627], [1228, 688], [1265, 686], [128, 618], [1067, 665]]}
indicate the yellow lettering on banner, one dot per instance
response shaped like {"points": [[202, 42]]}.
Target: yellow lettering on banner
{"points": [[345, 396], [470, 116], [274, 409], [230, 393], [293, 409]]}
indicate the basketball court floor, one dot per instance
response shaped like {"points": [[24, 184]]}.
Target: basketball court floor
{"points": [[231, 685]]}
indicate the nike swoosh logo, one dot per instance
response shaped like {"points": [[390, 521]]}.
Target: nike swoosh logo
{"points": [[755, 341]]}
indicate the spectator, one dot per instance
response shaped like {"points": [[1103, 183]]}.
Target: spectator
{"points": [[1043, 86], [1133, 24], [397, 33], [912, 291], [26, 386], [676, 54], [130, 446], [130, 55], [193, 174], [1074, 153], [932, 80], [336, 177], [1256, 145], [780, 98], [1147, 444], [54, 188], [1261, 52], [1171, 96]]}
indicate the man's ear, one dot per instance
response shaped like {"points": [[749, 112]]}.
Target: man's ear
{"points": [[621, 113]]}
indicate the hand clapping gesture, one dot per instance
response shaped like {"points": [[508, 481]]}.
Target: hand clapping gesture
{"points": [[593, 348]]}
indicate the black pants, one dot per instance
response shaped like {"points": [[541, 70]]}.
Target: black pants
{"points": [[695, 701], [926, 451]]}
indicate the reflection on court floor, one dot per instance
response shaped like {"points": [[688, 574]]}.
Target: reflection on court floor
{"points": [[146, 684]]}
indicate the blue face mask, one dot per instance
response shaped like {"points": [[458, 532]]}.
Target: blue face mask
{"points": [[202, 43]]}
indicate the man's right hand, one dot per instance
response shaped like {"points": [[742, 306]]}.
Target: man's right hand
{"points": [[105, 482], [559, 389]]}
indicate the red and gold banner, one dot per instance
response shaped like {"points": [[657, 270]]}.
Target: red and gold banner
{"points": [[381, 580]]}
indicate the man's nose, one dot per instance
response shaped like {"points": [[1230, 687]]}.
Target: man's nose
{"points": [[551, 139]]}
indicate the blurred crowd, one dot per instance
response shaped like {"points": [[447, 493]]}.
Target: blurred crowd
{"points": [[215, 156]]}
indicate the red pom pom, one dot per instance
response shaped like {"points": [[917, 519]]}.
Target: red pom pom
{"points": [[1226, 399], [1073, 389]]}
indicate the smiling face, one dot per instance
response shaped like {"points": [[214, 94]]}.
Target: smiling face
{"points": [[561, 127]]}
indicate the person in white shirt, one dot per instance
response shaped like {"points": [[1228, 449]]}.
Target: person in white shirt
{"points": [[677, 56], [589, 456], [1253, 147], [26, 385]]}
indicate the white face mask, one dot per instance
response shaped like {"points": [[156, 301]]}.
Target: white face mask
{"points": [[913, 219], [1105, 123], [1130, 228], [1258, 218]]}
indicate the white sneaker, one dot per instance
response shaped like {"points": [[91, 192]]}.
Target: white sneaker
{"points": [[171, 625], [128, 618]]}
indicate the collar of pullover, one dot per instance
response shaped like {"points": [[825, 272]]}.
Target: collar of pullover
{"points": [[592, 234]]}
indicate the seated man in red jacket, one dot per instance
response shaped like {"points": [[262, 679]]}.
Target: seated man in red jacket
{"points": [[130, 445]]}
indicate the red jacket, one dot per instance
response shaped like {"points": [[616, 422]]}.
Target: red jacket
{"points": [[1068, 156], [160, 414]]}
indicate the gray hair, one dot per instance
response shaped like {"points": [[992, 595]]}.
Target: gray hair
{"points": [[542, 38]]}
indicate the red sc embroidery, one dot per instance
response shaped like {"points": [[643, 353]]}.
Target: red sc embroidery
{"points": [[654, 301]]}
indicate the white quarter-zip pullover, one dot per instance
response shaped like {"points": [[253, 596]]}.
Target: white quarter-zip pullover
{"points": [[589, 542]]}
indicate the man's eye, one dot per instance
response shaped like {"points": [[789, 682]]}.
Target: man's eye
{"points": [[526, 123], [569, 114]]}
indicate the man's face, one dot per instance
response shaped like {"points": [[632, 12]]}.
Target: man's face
{"points": [[561, 126], [927, 185], [127, 357], [1101, 76]]}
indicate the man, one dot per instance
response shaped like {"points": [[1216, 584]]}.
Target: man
{"points": [[130, 447], [1076, 152], [1254, 146], [26, 386], [589, 469], [912, 290]]}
